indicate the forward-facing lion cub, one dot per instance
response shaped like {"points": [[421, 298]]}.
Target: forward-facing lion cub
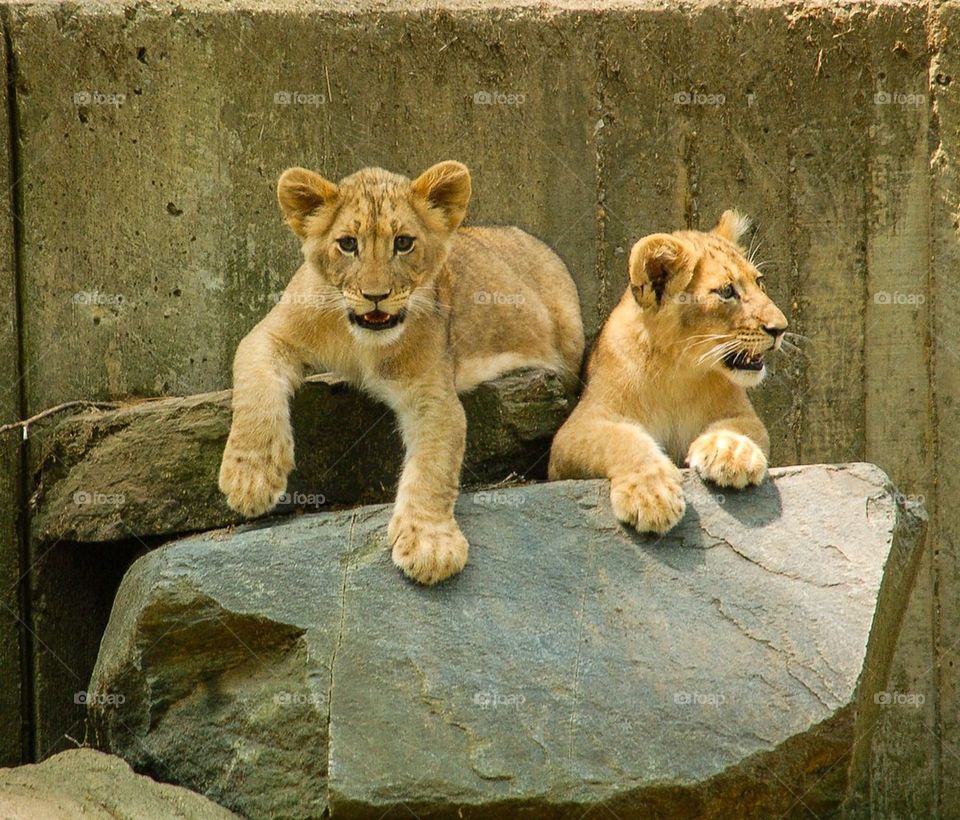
{"points": [[668, 375], [400, 300]]}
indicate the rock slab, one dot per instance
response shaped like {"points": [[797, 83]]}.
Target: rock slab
{"points": [[733, 665], [94, 482], [87, 783]]}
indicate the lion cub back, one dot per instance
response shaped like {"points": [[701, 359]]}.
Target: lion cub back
{"points": [[514, 305]]}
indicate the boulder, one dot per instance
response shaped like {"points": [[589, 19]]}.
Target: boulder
{"points": [[87, 783], [727, 668], [94, 482]]}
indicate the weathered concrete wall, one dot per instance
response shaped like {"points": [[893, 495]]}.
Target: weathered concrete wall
{"points": [[176, 244], [151, 241], [11, 692], [945, 335]]}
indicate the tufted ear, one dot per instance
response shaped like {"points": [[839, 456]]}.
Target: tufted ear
{"points": [[446, 187], [301, 194], [661, 265], [733, 226]]}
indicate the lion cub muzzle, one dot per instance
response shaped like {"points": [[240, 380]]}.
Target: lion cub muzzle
{"points": [[375, 311]]}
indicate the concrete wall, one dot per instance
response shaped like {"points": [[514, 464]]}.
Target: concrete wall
{"points": [[149, 138], [13, 618]]}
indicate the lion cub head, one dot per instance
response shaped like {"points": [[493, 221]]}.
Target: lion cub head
{"points": [[706, 300], [377, 240]]}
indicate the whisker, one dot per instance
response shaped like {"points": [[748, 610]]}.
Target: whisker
{"points": [[700, 339], [717, 352]]}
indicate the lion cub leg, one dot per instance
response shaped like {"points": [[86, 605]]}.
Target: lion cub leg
{"points": [[732, 452], [259, 452], [427, 543], [646, 489]]}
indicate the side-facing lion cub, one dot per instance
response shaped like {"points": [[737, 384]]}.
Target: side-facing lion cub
{"points": [[401, 301], [668, 374]]}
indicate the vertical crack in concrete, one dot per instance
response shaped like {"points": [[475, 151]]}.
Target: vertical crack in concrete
{"points": [[24, 602], [870, 200], [935, 37], [600, 171]]}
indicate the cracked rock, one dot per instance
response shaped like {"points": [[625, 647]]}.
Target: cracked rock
{"points": [[287, 669]]}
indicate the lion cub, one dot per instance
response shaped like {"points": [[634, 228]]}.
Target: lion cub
{"points": [[668, 375], [400, 300]]}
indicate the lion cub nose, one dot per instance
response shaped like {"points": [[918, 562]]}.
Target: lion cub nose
{"points": [[374, 297], [774, 330]]}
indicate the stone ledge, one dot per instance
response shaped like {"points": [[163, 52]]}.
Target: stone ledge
{"points": [[730, 666], [86, 783], [95, 483]]}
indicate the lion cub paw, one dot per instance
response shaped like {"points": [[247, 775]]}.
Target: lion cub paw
{"points": [[428, 551], [254, 480], [651, 501], [728, 459]]}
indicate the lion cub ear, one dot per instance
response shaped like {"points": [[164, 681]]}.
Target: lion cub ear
{"points": [[733, 226], [660, 265], [302, 193], [446, 187]]}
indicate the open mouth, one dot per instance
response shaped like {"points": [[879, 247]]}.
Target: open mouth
{"points": [[743, 361], [377, 319]]}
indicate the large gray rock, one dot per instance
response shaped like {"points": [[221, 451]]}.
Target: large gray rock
{"points": [[90, 784], [728, 667], [96, 482]]}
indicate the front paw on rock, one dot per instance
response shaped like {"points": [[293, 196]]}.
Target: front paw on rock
{"points": [[728, 459], [651, 501], [427, 550], [252, 481]]}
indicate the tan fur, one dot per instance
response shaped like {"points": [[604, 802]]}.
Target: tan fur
{"points": [[477, 302], [657, 387]]}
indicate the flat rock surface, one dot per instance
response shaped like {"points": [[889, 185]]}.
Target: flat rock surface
{"points": [[288, 669], [90, 784]]}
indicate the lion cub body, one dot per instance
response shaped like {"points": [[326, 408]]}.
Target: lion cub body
{"points": [[667, 377], [400, 300]]}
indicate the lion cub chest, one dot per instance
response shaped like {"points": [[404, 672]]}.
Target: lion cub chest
{"points": [[674, 429]]}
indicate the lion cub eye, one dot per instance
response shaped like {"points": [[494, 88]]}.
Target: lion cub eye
{"points": [[348, 244], [403, 244], [727, 292]]}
